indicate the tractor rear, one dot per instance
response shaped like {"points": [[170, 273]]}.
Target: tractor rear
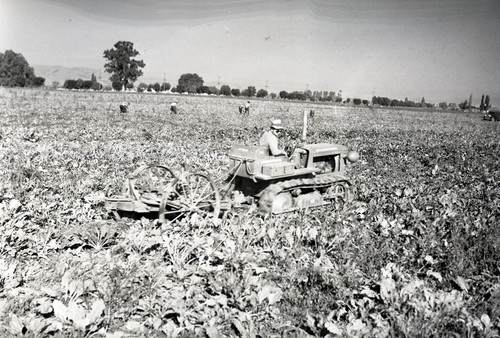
{"points": [[492, 115]]}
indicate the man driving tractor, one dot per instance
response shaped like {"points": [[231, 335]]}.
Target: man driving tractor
{"points": [[270, 139]]}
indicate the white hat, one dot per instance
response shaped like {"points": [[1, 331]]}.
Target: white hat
{"points": [[276, 124]]}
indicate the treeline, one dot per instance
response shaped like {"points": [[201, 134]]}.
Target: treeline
{"points": [[83, 84], [153, 87], [16, 72], [385, 101]]}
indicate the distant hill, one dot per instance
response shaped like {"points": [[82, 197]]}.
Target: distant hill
{"points": [[61, 74]]}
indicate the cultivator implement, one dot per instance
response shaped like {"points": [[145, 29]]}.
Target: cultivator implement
{"points": [[157, 191]]}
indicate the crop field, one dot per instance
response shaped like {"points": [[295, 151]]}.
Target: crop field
{"points": [[417, 253]]}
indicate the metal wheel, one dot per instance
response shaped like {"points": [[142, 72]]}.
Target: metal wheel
{"points": [[149, 182], [191, 193]]}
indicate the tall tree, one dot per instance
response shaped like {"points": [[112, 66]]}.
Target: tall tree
{"points": [[16, 72], [481, 106], [487, 105], [122, 65]]}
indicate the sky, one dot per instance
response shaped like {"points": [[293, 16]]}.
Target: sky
{"points": [[442, 50]]}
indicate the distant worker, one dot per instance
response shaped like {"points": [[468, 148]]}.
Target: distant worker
{"points": [[124, 107], [247, 107], [173, 107], [270, 139], [241, 109]]}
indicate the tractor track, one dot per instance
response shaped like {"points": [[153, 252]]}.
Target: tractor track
{"points": [[315, 183]]}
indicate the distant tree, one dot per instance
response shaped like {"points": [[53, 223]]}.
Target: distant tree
{"points": [[487, 104], [469, 105], [273, 95], [283, 94], [356, 101], [235, 92], [463, 105], [203, 90], [96, 86], [142, 87], [410, 104], [225, 90], [93, 78], [70, 84], [117, 85], [121, 63], [366, 102], [296, 95], [422, 102], [481, 106], [190, 82], [157, 87], [212, 90], [443, 105], [38, 81], [180, 89], [262, 93], [338, 99], [165, 86], [86, 84], [249, 92], [55, 84], [16, 72]]}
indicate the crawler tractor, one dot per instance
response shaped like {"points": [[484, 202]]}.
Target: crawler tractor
{"points": [[311, 177], [314, 175], [492, 114]]}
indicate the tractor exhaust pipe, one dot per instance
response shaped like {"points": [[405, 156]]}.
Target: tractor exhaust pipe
{"points": [[303, 138]]}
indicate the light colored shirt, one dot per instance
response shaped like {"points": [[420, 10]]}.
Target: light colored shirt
{"points": [[269, 140]]}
